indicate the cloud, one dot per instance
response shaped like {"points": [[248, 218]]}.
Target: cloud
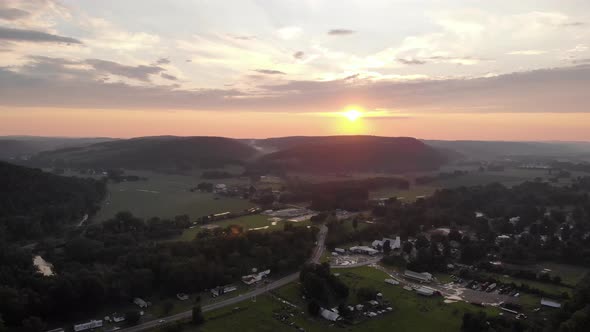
{"points": [[163, 61], [270, 72], [169, 77], [242, 37], [572, 24], [581, 61], [288, 33], [527, 52], [411, 61], [22, 35], [299, 55], [10, 14], [140, 72], [48, 82], [340, 32]]}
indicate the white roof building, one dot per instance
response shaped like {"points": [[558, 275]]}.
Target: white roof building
{"points": [[550, 303], [422, 277], [140, 302], [364, 250], [426, 291], [86, 326], [391, 282], [393, 243], [329, 315]]}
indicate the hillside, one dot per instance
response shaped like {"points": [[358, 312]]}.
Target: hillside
{"points": [[495, 149], [22, 147], [35, 203], [152, 153], [357, 153]]}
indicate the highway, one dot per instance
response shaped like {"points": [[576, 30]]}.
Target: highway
{"points": [[315, 258]]}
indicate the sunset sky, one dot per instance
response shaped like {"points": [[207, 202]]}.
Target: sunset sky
{"points": [[453, 69]]}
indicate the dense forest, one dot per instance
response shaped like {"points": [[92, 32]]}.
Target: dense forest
{"points": [[34, 204], [117, 260]]}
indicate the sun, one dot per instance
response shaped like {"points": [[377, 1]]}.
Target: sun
{"points": [[352, 115]]}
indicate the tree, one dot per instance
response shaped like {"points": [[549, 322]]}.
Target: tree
{"points": [[2, 326], [198, 317], [474, 322], [33, 324], [364, 294], [132, 317], [313, 308], [355, 223], [386, 247], [168, 306]]}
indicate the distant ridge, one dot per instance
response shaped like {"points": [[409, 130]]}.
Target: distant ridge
{"points": [[152, 153], [354, 153]]}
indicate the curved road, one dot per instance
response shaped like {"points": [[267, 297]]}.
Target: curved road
{"points": [[315, 258]]}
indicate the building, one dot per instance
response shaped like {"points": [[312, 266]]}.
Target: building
{"points": [[329, 315], [363, 250], [393, 243], [182, 296], [550, 303], [421, 277], [56, 330], [340, 250], [425, 291], [87, 326], [218, 291], [392, 282], [255, 277], [140, 302]]}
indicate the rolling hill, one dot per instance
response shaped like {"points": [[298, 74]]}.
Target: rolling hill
{"points": [[152, 153], [22, 147], [356, 153]]}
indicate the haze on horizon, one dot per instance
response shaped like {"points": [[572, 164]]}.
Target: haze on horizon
{"points": [[500, 70]]}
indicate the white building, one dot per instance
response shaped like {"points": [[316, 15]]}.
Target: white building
{"points": [[550, 303], [425, 291], [364, 250], [140, 302], [329, 315], [393, 243], [87, 326], [255, 277], [392, 282], [421, 277]]}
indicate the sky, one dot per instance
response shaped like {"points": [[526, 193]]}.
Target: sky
{"points": [[437, 69]]}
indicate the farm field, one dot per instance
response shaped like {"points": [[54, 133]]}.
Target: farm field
{"points": [[253, 222], [410, 313], [166, 196], [508, 177]]}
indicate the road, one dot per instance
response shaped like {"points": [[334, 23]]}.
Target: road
{"points": [[315, 258]]}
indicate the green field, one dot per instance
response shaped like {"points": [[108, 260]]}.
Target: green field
{"points": [[253, 222], [552, 289], [508, 177], [166, 196], [411, 312]]}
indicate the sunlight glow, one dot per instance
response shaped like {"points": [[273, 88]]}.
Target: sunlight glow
{"points": [[352, 114]]}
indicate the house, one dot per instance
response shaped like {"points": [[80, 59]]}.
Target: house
{"points": [[340, 250], [391, 282], [550, 303], [218, 291], [421, 277], [220, 188], [255, 277], [182, 296], [117, 318], [329, 315], [140, 302], [364, 250], [393, 243], [425, 291], [87, 326]]}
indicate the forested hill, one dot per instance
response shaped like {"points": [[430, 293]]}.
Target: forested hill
{"points": [[34, 203], [358, 153], [152, 153]]}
